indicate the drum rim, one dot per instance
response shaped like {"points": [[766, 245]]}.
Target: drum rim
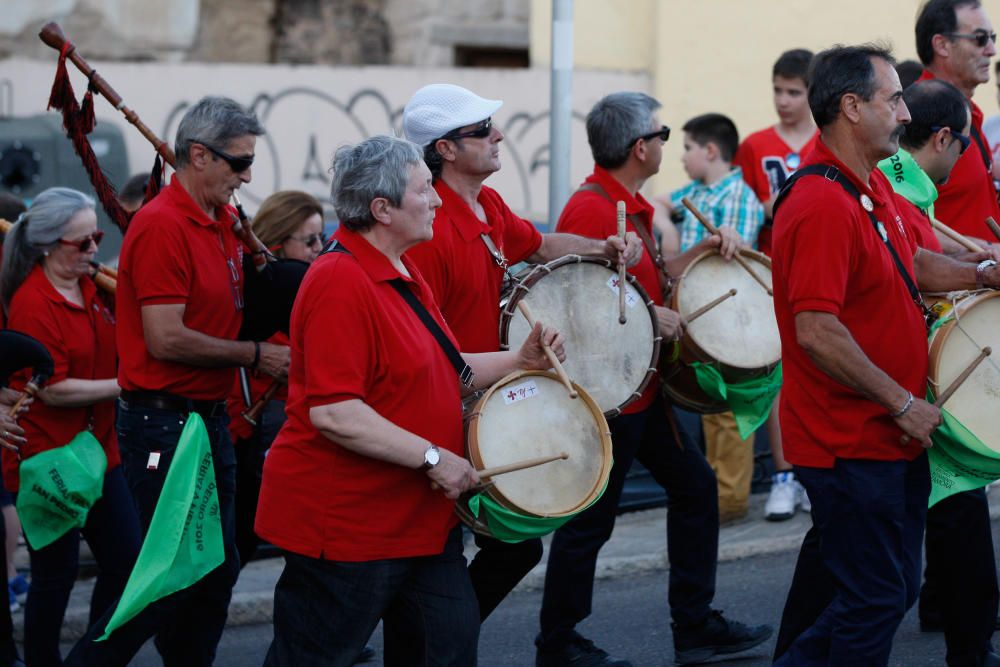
{"points": [[522, 287], [604, 432], [940, 336], [690, 349]]}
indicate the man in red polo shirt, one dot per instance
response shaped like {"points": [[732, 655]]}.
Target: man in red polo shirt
{"points": [[854, 425], [955, 42], [476, 237], [359, 485], [179, 309]]}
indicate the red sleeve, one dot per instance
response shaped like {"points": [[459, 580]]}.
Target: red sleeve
{"points": [[34, 317], [824, 245], [338, 333], [163, 275], [587, 214]]}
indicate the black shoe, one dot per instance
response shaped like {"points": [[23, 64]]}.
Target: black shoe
{"points": [[367, 655], [579, 652], [716, 636]]}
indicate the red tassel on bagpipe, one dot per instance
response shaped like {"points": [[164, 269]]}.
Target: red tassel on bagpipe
{"points": [[79, 122]]}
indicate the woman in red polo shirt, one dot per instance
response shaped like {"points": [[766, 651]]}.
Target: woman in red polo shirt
{"points": [[290, 224], [47, 292]]}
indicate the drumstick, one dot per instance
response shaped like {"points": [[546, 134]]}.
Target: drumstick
{"points": [[521, 465], [30, 389], [957, 382], [709, 306], [715, 230], [994, 227], [621, 265], [963, 241], [553, 359]]}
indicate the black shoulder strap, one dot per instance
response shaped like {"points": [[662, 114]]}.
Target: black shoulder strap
{"points": [[463, 369], [987, 159], [831, 173]]}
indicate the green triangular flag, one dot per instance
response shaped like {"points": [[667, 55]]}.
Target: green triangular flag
{"points": [[184, 542], [959, 461], [58, 487], [750, 400]]}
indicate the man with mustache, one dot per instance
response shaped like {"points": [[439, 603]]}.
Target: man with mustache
{"points": [[846, 271], [955, 42]]}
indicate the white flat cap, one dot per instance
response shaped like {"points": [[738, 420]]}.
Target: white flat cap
{"points": [[439, 108]]}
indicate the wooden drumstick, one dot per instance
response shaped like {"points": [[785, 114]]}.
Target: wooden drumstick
{"points": [[253, 412], [709, 306], [621, 265], [30, 389], [963, 241], [957, 382], [553, 359], [715, 231], [521, 465], [994, 227]]}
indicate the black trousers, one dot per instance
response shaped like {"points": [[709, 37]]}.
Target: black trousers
{"points": [[497, 568], [692, 527], [960, 582]]}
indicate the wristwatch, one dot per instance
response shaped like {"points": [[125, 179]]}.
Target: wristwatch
{"points": [[432, 456], [981, 272]]}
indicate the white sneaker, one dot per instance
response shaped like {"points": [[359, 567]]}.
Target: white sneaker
{"points": [[804, 503], [784, 497]]}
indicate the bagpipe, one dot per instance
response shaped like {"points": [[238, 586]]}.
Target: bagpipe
{"points": [[270, 283], [17, 351]]}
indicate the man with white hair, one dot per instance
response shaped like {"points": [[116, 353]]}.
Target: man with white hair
{"points": [[476, 237]]}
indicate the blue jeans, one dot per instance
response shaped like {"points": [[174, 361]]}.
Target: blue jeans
{"points": [[692, 526], [112, 532], [859, 567], [189, 623], [325, 611]]}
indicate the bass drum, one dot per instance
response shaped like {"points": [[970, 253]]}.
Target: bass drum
{"points": [[739, 337]]}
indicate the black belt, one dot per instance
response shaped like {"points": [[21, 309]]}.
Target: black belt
{"points": [[159, 400]]}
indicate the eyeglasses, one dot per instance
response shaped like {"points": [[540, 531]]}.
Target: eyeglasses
{"points": [[663, 133], [83, 245], [311, 240], [962, 138], [980, 37], [480, 131], [237, 164]]}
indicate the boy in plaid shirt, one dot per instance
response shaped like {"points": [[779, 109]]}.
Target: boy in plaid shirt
{"points": [[718, 190]]}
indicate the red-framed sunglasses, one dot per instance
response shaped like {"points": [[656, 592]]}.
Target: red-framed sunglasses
{"points": [[83, 245]]}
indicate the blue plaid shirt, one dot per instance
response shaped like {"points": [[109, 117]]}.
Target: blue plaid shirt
{"points": [[730, 202]]}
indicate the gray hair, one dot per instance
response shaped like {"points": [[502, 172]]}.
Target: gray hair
{"points": [[213, 121], [376, 167], [37, 231], [614, 124]]}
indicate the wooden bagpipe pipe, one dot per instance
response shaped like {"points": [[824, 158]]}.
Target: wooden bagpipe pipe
{"points": [[270, 283]]}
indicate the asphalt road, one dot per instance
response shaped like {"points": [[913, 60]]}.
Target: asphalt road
{"points": [[630, 620]]}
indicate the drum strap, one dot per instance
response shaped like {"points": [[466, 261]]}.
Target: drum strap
{"points": [[463, 369], [831, 173], [666, 280]]}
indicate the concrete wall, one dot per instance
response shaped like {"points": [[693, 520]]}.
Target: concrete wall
{"points": [[310, 110], [716, 55]]}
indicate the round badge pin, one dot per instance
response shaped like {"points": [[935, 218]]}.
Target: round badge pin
{"points": [[793, 160], [866, 203]]}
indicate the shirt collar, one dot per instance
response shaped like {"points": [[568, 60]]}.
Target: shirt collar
{"points": [[617, 192], [462, 217], [38, 279], [372, 260], [182, 201], [881, 191], [723, 183]]}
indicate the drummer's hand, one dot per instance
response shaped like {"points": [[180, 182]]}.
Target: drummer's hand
{"points": [[453, 475], [274, 360], [670, 322], [11, 435], [630, 251], [9, 398], [919, 422], [730, 242], [531, 356]]}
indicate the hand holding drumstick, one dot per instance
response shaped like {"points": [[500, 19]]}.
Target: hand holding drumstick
{"points": [[548, 347]]}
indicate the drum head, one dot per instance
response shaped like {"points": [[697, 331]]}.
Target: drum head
{"points": [[529, 415], [612, 361], [742, 331], [954, 346]]}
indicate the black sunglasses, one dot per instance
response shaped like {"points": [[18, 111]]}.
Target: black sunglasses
{"points": [[83, 245], [237, 164], [663, 133], [481, 131], [962, 139], [980, 37]]}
